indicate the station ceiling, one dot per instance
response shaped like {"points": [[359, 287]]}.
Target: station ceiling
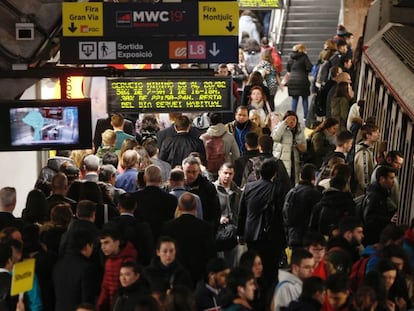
{"points": [[16, 18]]}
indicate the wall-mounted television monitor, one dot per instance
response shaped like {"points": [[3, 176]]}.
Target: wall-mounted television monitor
{"points": [[45, 124]]}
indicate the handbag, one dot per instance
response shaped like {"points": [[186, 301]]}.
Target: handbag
{"points": [[226, 232], [226, 236]]}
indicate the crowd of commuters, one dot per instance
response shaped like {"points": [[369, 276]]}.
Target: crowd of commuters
{"points": [[111, 232], [248, 214]]}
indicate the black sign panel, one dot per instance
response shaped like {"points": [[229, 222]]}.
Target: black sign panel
{"points": [[205, 49], [179, 94], [145, 19]]}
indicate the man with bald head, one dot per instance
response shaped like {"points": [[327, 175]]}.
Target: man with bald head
{"points": [[154, 205], [195, 239]]}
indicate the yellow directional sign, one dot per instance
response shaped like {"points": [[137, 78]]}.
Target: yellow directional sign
{"points": [[259, 4], [82, 19], [23, 276], [218, 18]]}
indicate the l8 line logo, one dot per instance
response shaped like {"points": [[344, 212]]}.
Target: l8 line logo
{"points": [[148, 18], [187, 49]]}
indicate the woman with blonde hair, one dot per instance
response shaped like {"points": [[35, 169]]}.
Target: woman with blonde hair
{"points": [[269, 72], [298, 68]]}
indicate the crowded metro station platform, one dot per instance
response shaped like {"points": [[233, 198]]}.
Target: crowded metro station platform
{"points": [[264, 170]]}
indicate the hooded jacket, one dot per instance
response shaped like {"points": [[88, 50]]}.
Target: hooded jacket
{"points": [[299, 67], [231, 150], [287, 290]]}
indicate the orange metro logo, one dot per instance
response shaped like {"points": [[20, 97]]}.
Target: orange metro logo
{"points": [[178, 49]]}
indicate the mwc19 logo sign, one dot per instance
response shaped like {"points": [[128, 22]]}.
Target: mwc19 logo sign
{"points": [[187, 50]]}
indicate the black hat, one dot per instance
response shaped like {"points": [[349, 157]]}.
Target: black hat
{"points": [[216, 265]]}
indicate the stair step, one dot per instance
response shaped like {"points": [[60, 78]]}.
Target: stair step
{"points": [[314, 8], [326, 3], [311, 16], [308, 44], [313, 23], [305, 29], [307, 37]]}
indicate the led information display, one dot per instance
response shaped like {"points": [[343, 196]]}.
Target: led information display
{"points": [[179, 94], [259, 4]]}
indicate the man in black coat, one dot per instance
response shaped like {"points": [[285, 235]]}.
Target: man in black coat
{"points": [[75, 277], [199, 185], [175, 149], [351, 233], [134, 231], [252, 146], [154, 205], [195, 239], [171, 131], [260, 220], [335, 204], [7, 206], [298, 205], [377, 210]]}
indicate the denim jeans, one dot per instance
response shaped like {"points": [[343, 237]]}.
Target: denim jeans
{"points": [[295, 100]]}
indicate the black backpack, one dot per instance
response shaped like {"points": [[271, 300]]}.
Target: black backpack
{"points": [[291, 212]]}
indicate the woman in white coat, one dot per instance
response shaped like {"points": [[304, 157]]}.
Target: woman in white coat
{"points": [[289, 141]]}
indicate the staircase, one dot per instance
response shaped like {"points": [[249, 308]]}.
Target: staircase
{"points": [[310, 22]]}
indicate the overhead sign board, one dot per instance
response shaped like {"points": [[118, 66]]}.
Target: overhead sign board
{"points": [[206, 18], [259, 4], [82, 19], [145, 19], [218, 18], [130, 95], [206, 49]]}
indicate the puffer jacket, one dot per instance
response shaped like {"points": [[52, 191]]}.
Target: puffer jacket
{"points": [[299, 67], [284, 143], [111, 276], [333, 206]]}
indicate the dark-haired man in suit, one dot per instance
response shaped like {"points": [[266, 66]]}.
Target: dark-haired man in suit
{"points": [[194, 237]]}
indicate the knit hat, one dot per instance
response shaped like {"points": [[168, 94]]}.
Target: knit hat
{"points": [[342, 32], [216, 265]]}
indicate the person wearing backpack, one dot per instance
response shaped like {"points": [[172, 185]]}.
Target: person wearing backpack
{"points": [[364, 159], [336, 203], [220, 145], [298, 206]]}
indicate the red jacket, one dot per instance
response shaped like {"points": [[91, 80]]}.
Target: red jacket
{"points": [[110, 282], [320, 270]]}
